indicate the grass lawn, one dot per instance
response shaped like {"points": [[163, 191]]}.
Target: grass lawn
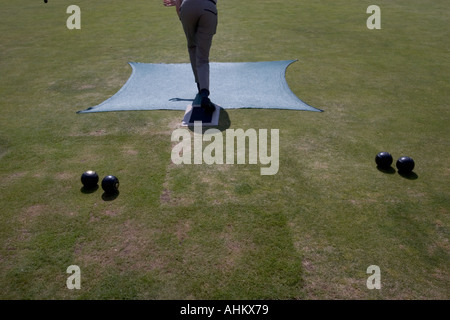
{"points": [[225, 231]]}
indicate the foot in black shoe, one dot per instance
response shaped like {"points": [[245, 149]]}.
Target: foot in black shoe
{"points": [[207, 105], [205, 102]]}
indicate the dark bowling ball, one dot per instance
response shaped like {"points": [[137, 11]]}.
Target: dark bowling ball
{"points": [[89, 179], [383, 160], [110, 184], [405, 165]]}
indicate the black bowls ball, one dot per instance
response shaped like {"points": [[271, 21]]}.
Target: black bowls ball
{"points": [[384, 160], [405, 165], [89, 179], [110, 184]]}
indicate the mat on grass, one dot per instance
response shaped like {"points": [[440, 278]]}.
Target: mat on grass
{"points": [[233, 85]]}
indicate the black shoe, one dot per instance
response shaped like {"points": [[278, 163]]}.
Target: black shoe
{"points": [[207, 105]]}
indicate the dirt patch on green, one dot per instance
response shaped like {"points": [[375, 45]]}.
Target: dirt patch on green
{"points": [[130, 246]]}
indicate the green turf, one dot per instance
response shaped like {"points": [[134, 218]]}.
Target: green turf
{"points": [[225, 231]]}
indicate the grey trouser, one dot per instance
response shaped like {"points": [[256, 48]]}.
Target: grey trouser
{"points": [[199, 19]]}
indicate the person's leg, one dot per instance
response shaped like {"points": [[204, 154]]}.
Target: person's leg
{"points": [[203, 47], [207, 25], [199, 20], [206, 29], [189, 18]]}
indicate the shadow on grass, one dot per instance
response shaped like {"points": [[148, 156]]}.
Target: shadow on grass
{"points": [[110, 196], [90, 190], [409, 175], [389, 170], [105, 196]]}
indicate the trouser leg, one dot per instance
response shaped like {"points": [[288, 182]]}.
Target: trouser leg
{"points": [[202, 59], [199, 21], [190, 31]]}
